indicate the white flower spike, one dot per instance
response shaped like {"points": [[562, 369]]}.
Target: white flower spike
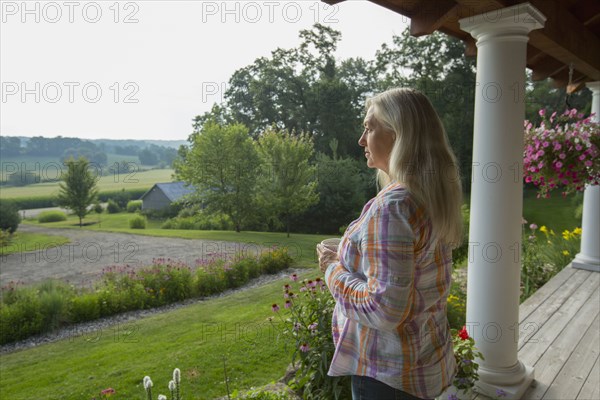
{"points": [[177, 376]]}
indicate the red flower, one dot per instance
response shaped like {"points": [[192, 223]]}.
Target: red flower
{"points": [[108, 391], [463, 334]]}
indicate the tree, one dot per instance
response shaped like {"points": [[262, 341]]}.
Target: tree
{"points": [[436, 65], [78, 188], [342, 187], [9, 217], [300, 90], [222, 164], [287, 186], [148, 157]]}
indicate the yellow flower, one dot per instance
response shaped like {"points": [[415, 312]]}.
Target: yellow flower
{"points": [[566, 234], [551, 232], [566, 252], [544, 229], [577, 231]]}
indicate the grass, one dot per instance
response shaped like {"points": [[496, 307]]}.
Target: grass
{"points": [[301, 246], [127, 181], [556, 212], [195, 338], [25, 241]]}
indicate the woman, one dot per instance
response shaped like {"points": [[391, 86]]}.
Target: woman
{"points": [[392, 272]]}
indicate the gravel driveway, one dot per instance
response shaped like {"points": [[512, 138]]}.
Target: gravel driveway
{"points": [[83, 259]]}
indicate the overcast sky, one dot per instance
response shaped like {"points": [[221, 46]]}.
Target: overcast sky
{"points": [[144, 69]]}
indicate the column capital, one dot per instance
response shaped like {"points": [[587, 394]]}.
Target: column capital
{"points": [[510, 23]]}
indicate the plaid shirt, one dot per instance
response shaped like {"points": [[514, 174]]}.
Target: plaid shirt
{"points": [[391, 285]]}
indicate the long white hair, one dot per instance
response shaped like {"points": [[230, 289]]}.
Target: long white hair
{"points": [[421, 158]]}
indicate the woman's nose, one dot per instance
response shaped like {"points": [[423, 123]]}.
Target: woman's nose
{"points": [[361, 140]]}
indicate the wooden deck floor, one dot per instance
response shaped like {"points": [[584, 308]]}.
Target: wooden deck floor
{"points": [[560, 337]]}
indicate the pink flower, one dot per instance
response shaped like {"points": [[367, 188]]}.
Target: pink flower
{"points": [[533, 227], [562, 156], [275, 307], [582, 157], [542, 112], [588, 163], [108, 391], [304, 347], [294, 277], [288, 304], [558, 164]]}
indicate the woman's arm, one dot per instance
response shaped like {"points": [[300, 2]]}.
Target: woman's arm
{"points": [[381, 296]]}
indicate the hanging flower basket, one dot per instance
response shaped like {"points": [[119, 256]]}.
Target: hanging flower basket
{"points": [[562, 152]]}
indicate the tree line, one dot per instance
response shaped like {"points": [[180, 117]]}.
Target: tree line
{"points": [[305, 95]]}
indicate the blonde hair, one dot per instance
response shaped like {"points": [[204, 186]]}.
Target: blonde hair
{"points": [[421, 158]]}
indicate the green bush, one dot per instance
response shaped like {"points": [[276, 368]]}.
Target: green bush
{"points": [[134, 205], [9, 216], [112, 207], [306, 322], [137, 222], [199, 221], [274, 261], [98, 209], [84, 308], [25, 311], [51, 216], [21, 319]]}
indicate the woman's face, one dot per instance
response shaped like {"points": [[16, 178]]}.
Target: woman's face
{"points": [[377, 142]]}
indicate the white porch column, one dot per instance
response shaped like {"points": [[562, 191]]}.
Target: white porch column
{"points": [[497, 195], [589, 256]]}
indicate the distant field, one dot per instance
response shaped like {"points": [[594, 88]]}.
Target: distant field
{"points": [[47, 167], [134, 180]]}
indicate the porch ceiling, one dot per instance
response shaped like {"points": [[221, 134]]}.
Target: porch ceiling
{"points": [[571, 33]]}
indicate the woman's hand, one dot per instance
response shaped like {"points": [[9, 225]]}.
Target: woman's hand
{"points": [[326, 257]]}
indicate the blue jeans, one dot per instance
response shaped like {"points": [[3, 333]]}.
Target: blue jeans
{"points": [[367, 388]]}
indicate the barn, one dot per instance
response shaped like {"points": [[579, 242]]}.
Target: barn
{"points": [[162, 195]]}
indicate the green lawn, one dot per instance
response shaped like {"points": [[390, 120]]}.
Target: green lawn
{"points": [[556, 212], [25, 241], [196, 339], [127, 181]]}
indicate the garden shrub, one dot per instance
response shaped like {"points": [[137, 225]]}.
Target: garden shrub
{"points": [[84, 308], [98, 209], [25, 311], [199, 221], [307, 323], [9, 216], [112, 207], [137, 222], [134, 205], [21, 319], [51, 216]]}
